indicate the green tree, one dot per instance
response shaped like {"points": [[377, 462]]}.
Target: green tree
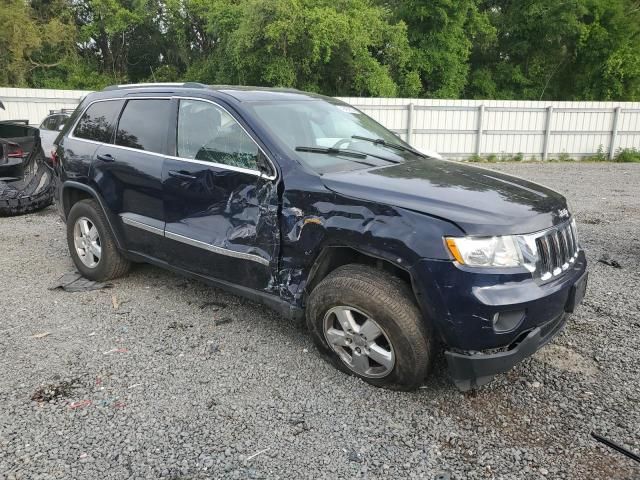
{"points": [[539, 49], [351, 47], [442, 34], [30, 39], [571, 50]]}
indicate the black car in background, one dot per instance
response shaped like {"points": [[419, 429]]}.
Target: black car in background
{"points": [[18, 141], [307, 205]]}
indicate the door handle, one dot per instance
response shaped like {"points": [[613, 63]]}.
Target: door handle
{"points": [[184, 176], [106, 157]]}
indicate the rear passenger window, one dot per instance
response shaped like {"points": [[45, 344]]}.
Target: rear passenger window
{"points": [[97, 122], [47, 123], [143, 125], [207, 132]]}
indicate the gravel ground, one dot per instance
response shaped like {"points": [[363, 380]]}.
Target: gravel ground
{"points": [[166, 377]]}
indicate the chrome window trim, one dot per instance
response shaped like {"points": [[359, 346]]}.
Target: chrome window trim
{"points": [[256, 173], [212, 248]]}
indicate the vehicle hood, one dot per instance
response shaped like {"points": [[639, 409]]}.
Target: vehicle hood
{"points": [[479, 201]]}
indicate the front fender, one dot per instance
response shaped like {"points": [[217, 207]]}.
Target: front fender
{"points": [[313, 223]]}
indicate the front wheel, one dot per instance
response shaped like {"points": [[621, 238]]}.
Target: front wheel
{"points": [[366, 323]]}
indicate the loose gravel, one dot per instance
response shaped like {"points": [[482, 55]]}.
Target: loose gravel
{"points": [[163, 377]]}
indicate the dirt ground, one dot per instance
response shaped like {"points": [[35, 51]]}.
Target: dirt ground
{"points": [[161, 376]]}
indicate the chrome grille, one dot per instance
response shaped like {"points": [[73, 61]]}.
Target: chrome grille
{"points": [[557, 250]]}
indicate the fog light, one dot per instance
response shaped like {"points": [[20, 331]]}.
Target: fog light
{"points": [[507, 321]]}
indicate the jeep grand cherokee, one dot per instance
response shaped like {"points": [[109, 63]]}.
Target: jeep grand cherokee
{"points": [[307, 205]]}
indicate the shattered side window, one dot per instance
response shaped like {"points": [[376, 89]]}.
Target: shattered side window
{"points": [[208, 133]]}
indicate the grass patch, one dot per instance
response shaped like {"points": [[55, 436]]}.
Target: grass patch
{"points": [[623, 155], [493, 158], [627, 155]]}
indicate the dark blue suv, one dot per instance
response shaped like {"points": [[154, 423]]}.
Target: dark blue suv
{"points": [[305, 204]]}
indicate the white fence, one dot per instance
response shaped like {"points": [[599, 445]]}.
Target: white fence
{"points": [[455, 128], [460, 128], [34, 104]]}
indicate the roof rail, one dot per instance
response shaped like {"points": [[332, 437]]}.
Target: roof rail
{"points": [[61, 110], [151, 85]]}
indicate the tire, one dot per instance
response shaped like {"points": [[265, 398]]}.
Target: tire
{"points": [[376, 295], [111, 264], [35, 195]]}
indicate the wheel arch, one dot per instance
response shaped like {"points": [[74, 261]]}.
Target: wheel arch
{"points": [[73, 192], [332, 257]]}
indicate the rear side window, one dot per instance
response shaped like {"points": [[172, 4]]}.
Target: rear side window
{"points": [[52, 122], [143, 125], [49, 123], [98, 121]]}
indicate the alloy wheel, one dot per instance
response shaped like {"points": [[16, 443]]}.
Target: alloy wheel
{"points": [[359, 341], [86, 240]]}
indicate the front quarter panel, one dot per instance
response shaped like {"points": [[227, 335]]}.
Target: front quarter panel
{"points": [[314, 218]]}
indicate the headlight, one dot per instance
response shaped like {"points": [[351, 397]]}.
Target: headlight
{"points": [[559, 248], [486, 251]]}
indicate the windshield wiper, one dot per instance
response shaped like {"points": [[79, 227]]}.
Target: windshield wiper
{"points": [[384, 143], [337, 151]]}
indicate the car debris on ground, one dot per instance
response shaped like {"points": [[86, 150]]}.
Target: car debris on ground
{"points": [[26, 178], [74, 282]]}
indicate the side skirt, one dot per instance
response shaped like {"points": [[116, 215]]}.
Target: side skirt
{"points": [[275, 303]]}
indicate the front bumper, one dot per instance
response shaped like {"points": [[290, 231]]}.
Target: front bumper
{"points": [[472, 371], [463, 305]]}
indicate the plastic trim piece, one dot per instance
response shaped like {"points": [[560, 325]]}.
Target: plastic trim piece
{"points": [[141, 225], [128, 219]]}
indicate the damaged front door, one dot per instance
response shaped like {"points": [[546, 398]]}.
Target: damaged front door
{"points": [[220, 203]]}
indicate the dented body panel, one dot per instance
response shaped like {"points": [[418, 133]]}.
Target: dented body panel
{"points": [[313, 222], [233, 212]]}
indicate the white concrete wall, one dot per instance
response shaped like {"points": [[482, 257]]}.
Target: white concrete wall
{"points": [[455, 128]]}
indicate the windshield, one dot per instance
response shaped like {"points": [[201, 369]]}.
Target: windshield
{"points": [[325, 135]]}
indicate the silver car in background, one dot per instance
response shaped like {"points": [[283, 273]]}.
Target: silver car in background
{"points": [[50, 128]]}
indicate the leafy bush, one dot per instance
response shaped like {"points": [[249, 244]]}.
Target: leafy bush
{"points": [[627, 155], [599, 156]]}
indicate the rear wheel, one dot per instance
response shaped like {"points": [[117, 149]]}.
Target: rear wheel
{"points": [[366, 323], [91, 243]]}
